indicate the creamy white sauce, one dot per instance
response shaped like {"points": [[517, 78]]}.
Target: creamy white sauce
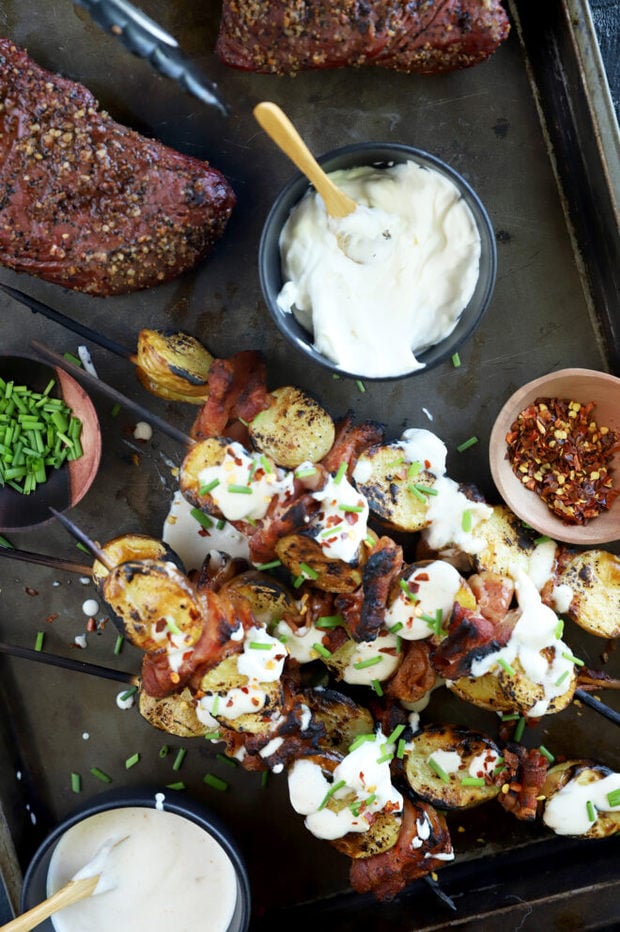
{"points": [[242, 470], [300, 641], [365, 780], [90, 607], [567, 810], [161, 876], [433, 588], [423, 446], [192, 542], [535, 630], [263, 656], [338, 530], [483, 765], [542, 562], [561, 598], [389, 280], [450, 761], [385, 646]]}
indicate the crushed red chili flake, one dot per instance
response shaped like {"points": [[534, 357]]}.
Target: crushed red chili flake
{"points": [[558, 450]]}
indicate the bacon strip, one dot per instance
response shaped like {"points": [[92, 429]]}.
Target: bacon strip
{"points": [[237, 389], [350, 441], [530, 771], [470, 637], [364, 610], [415, 676], [282, 518]]}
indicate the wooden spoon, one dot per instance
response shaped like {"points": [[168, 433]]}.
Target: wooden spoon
{"points": [[278, 126]]}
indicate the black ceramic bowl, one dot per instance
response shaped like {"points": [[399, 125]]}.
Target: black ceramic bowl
{"points": [[380, 155], [34, 888]]}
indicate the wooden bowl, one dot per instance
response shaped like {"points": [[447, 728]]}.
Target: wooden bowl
{"points": [[67, 485], [584, 385]]}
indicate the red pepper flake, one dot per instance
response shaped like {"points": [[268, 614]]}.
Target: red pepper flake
{"points": [[29, 591], [557, 449], [51, 618]]}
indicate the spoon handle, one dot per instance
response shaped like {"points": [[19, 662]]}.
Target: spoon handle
{"points": [[72, 892], [278, 126]]}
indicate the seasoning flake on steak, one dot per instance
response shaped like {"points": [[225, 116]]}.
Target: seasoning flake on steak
{"points": [[88, 203], [423, 36]]}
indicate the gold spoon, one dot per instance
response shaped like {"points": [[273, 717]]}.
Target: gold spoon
{"points": [[278, 126], [78, 888]]}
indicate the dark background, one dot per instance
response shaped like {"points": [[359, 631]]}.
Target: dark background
{"points": [[606, 15]]}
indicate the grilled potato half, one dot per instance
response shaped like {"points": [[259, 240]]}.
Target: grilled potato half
{"points": [[300, 553], [225, 680], [508, 543], [173, 365], [453, 767], [131, 547], [209, 452], [394, 495], [174, 714], [294, 429], [594, 579], [342, 718], [577, 780], [269, 599]]}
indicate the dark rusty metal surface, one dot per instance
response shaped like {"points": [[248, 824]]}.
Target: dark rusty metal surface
{"points": [[543, 316]]}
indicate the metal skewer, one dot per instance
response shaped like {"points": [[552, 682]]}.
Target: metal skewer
{"points": [[98, 385], [68, 663], [43, 559], [83, 538], [598, 706]]}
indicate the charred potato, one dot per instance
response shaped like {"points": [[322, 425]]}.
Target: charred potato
{"points": [[342, 662], [174, 714], [594, 580], [576, 780], [300, 552], [294, 429], [128, 547], [173, 365], [209, 452], [269, 599], [156, 603], [474, 777], [223, 680], [384, 476], [342, 718], [508, 544]]}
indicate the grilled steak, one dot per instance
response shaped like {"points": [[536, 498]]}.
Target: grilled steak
{"points": [[424, 36], [88, 203]]}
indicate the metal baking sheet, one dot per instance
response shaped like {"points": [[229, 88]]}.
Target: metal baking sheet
{"points": [[551, 308]]}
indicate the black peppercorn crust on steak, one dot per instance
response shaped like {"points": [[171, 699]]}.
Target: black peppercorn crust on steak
{"points": [[89, 204], [423, 36]]}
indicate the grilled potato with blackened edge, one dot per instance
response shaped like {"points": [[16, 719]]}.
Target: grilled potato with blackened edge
{"points": [[269, 599], [156, 603], [355, 662], [594, 579], [294, 429], [206, 453], [132, 547], [504, 691], [574, 804], [226, 682], [173, 365], [174, 714], [395, 495], [303, 556], [508, 544], [342, 718], [453, 767]]}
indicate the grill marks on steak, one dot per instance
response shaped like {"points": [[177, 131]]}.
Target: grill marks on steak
{"points": [[423, 36], [88, 203]]}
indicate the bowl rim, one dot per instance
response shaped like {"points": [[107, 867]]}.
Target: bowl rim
{"points": [[145, 796], [404, 152], [542, 519]]}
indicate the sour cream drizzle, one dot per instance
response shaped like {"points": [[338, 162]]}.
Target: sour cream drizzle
{"points": [[568, 813], [342, 523], [245, 483], [430, 596]]}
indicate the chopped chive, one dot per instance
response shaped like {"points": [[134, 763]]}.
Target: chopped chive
{"points": [[302, 472], [205, 489], [472, 441], [221, 524], [361, 739], [518, 733], [370, 662], [216, 783], [388, 756], [6, 544], [38, 644], [266, 464], [613, 798], [268, 566], [320, 649], [360, 385], [395, 628], [329, 621], [101, 775], [212, 736], [216, 704], [76, 783], [71, 358], [164, 750], [264, 779], [573, 659], [396, 734], [201, 518], [176, 765], [441, 773], [425, 489], [114, 410], [456, 360], [510, 717], [351, 508], [466, 521], [545, 753], [333, 789], [561, 679], [542, 539], [118, 644], [82, 547], [400, 748], [179, 785], [404, 586], [399, 643], [472, 781], [240, 489], [416, 492], [506, 666], [259, 645], [414, 470], [308, 571], [172, 626], [591, 811], [395, 463], [340, 474], [229, 761], [128, 693], [559, 629], [376, 685], [132, 761]]}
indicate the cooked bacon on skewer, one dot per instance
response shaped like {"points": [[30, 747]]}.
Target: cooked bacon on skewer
{"points": [[237, 390], [470, 637]]}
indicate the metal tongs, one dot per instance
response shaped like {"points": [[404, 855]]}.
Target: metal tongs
{"points": [[147, 39]]}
